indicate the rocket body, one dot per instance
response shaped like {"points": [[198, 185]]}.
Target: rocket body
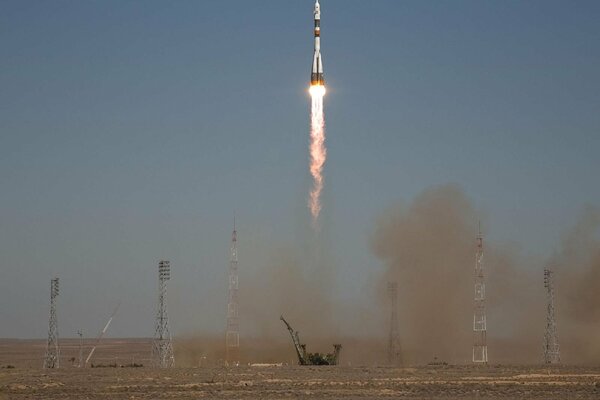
{"points": [[316, 76]]}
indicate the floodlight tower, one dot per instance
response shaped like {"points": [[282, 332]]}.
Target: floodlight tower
{"points": [[232, 335], [394, 351], [162, 347], [551, 348], [52, 359], [480, 354]]}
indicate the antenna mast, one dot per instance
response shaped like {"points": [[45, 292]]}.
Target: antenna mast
{"points": [[232, 336], [480, 354]]}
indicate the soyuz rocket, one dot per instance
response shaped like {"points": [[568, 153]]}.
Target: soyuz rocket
{"points": [[316, 76]]}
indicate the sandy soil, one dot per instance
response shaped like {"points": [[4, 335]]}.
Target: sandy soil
{"points": [[284, 382]]}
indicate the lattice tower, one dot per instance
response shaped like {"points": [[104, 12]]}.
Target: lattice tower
{"points": [[232, 335], [162, 346], [480, 353], [52, 358], [551, 348]]}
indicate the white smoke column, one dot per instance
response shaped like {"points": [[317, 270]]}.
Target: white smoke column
{"points": [[318, 153]]}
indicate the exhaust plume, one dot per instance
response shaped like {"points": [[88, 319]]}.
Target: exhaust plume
{"points": [[318, 153]]}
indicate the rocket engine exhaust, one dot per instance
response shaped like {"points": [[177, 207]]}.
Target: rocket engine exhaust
{"points": [[318, 152]]}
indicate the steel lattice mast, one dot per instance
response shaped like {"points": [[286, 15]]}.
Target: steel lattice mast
{"points": [[394, 350], [162, 346], [52, 358], [551, 349], [480, 354], [232, 335]]}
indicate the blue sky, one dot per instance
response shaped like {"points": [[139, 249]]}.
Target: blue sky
{"points": [[131, 131]]}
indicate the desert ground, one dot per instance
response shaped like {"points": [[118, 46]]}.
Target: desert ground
{"points": [[21, 377]]}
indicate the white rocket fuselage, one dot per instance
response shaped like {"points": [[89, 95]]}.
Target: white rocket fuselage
{"points": [[316, 76]]}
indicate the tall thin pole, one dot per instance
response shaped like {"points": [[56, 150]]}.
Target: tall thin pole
{"points": [[480, 354], [52, 358], [80, 334], [232, 335], [101, 335], [394, 350]]}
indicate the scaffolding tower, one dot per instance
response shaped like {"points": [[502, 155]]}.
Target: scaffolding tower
{"points": [[162, 346], [394, 350], [551, 348], [232, 335], [480, 354]]}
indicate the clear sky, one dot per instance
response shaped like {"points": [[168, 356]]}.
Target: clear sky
{"points": [[131, 131]]}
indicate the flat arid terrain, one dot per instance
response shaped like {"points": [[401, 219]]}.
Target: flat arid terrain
{"points": [[28, 381]]}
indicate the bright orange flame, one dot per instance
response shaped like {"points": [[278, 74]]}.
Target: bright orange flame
{"points": [[318, 153]]}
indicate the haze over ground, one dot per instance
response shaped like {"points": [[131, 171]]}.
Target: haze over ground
{"points": [[130, 132]]}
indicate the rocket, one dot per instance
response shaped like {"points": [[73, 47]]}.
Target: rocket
{"points": [[316, 76]]}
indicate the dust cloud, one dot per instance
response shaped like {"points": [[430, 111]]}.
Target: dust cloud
{"points": [[428, 247], [577, 289], [289, 284]]}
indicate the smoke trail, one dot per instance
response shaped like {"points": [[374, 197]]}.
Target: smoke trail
{"points": [[318, 153]]}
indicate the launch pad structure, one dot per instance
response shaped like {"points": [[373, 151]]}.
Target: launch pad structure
{"points": [[306, 358]]}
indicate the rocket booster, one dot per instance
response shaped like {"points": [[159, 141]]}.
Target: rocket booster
{"points": [[316, 76]]}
